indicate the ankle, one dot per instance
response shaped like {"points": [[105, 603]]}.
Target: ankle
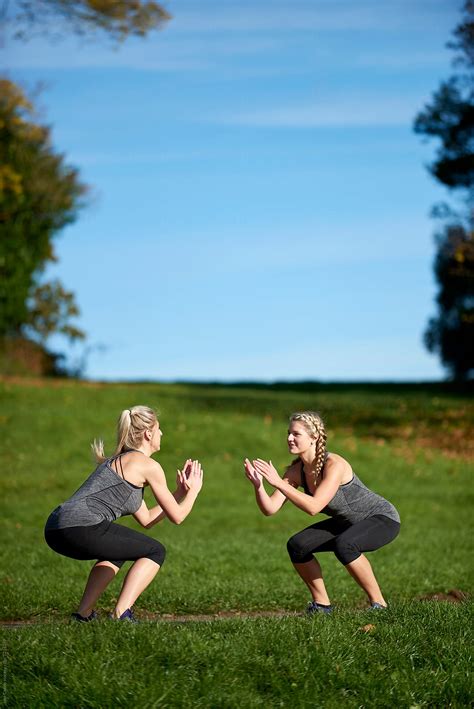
{"points": [[119, 611], [85, 612]]}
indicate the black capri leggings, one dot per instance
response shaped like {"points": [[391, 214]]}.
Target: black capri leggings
{"points": [[105, 541], [347, 541]]}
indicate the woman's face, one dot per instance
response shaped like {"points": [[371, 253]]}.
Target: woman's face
{"points": [[299, 440], [156, 436]]}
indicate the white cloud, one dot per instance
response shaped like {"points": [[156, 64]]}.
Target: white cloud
{"points": [[403, 60], [306, 15], [197, 40], [356, 110]]}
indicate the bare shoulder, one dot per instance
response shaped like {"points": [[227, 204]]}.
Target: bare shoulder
{"points": [[293, 474], [339, 466], [152, 468], [140, 469]]}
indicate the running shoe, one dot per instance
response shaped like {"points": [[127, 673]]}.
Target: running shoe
{"points": [[127, 616], [83, 618], [314, 607], [377, 607]]}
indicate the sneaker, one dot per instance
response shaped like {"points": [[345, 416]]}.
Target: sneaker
{"points": [[377, 607], [314, 607], [127, 616], [83, 618]]}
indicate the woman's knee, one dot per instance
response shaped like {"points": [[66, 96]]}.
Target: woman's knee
{"points": [[298, 554], [157, 553], [346, 551]]}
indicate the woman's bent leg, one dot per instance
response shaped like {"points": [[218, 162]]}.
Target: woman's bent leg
{"points": [[102, 573], [361, 571], [139, 576], [148, 555], [312, 575], [112, 544], [368, 535], [301, 546]]}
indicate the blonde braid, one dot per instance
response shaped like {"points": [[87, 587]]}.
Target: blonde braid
{"points": [[314, 425], [320, 447]]}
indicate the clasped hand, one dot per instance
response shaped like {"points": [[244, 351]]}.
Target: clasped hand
{"points": [[190, 477], [258, 469]]}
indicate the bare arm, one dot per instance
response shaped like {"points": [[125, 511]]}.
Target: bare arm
{"points": [[268, 504], [176, 506], [149, 517], [311, 504]]}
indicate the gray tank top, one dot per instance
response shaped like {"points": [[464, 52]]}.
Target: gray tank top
{"points": [[354, 502], [104, 496]]}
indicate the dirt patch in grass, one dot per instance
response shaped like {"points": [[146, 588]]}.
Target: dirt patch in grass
{"points": [[222, 615], [160, 618], [453, 596]]}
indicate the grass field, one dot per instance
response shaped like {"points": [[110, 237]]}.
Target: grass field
{"points": [[413, 444]]}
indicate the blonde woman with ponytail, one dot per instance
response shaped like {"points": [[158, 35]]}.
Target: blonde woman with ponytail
{"points": [[84, 526], [359, 519]]}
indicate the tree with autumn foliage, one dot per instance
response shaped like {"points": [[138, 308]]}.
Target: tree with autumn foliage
{"points": [[39, 195], [450, 118], [39, 192], [114, 19]]}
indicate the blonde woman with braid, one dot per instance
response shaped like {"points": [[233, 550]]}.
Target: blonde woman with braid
{"points": [[359, 519], [84, 526]]}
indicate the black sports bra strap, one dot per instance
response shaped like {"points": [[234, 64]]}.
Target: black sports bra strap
{"points": [[304, 484], [117, 459]]}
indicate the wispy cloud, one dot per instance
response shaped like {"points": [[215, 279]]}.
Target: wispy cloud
{"points": [[157, 54], [133, 158], [329, 111], [303, 15], [402, 60], [197, 40]]}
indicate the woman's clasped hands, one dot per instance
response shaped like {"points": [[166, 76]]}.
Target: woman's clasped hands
{"points": [[190, 477], [258, 469]]}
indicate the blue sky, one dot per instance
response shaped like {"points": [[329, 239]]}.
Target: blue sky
{"points": [[260, 203]]}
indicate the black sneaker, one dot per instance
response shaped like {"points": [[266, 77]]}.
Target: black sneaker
{"points": [[314, 607], [83, 618], [127, 616]]}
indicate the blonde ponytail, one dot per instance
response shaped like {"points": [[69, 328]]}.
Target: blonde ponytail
{"points": [[131, 426], [98, 450]]}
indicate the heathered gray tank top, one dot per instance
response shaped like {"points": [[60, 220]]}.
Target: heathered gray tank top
{"points": [[104, 496], [354, 502]]}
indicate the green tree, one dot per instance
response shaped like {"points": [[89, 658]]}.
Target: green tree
{"points": [[39, 195], [39, 192], [450, 118], [451, 333]]}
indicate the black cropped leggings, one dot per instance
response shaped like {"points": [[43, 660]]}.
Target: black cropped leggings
{"points": [[347, 541], [105, 541]]}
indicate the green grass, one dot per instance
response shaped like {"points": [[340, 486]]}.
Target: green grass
{"points": [[411, 658], [411, 444]]}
